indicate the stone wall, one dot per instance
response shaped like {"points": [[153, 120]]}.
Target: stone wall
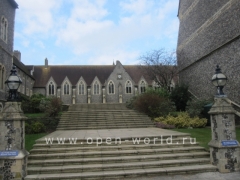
{"points": [[209, 35], [6, 49], [119, 84]]}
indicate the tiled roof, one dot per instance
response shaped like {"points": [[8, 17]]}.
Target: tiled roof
{"points": [[136, 72], [74, 72], [22, 67], [59, 73]]}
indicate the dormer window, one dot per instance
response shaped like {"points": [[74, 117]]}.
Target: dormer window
{"points": [[142, 87], [51, 88], [81, 88], [96, 88], [66, 88]]}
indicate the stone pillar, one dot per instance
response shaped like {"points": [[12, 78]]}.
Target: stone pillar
{"points": [[120, 98], [58, 92], [89, 95], [136, 91], [104, 96], [74, 96], [13, 156], [224, 148]]}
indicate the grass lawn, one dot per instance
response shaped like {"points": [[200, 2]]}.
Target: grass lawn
{"points": [[203, 135], [31, 138]]}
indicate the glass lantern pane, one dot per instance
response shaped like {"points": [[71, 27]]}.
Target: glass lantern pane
{"points": [[13, 85], [214, 80]]}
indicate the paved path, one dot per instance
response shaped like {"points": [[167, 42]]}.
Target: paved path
{"points": [[200, 176], [113, 133]]}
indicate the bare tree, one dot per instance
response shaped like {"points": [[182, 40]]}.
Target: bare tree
{"points": [[161, 66]]}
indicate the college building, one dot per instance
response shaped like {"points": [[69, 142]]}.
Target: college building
{"points": [[73, 84]]}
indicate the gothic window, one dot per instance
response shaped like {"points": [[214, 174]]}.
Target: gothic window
{"points": [[128, 87], [4, 29], [156, 86], [2, 76], [66, 87], [110, 87], [96, 88], [23, 89], [142, 87], [51, 89], [81, 88]]}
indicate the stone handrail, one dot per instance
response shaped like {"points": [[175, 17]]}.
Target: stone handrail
{"points": [[235, 104], [193, 94]]}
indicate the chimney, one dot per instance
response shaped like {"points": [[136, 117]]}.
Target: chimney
{"points": [[46, 63], [17, 54], [32, 71]]}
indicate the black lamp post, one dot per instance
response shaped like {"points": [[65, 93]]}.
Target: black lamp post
{"points": [[13, 82], [219, 80]]}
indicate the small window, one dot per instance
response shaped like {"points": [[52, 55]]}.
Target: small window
{"points": [[111, 88], [23, 89], [51, 88], [142, 87], [81, 88], [66, 90], [96, 87], [128, 87], [4, 29], [2, 77]]}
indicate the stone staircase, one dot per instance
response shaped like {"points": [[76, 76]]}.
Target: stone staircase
{"points": [[130, 152], [102, 116]]}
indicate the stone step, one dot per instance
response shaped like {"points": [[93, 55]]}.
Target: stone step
{"points": [[47, 149], [116, 159], [126, 173], [102, 127], [117, 150], [163, 139], [110, 123], [114, 153], [116, 166]]}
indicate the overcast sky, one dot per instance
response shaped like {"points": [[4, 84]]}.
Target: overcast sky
{"points": [[93, 32]]}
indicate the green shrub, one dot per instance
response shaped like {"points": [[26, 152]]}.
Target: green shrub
{"points": [[53, 107], [31, 105], [183, 120], [130, 102], [153, 105], [38, 127], [180, 96], [160, 92], [196, 108], [28, 128]]}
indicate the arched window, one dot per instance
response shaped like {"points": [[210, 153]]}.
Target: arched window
{"points": [[81, 88], [110, 87], [66, 88], [51, 88], [128, 87], [4, 29], [96, 87], [142, 87], [1, 77]]}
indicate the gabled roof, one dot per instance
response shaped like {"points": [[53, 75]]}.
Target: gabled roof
{"points": [[136, 72], [22, 67], [13, 3], [42, 74], [59, 73]]}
